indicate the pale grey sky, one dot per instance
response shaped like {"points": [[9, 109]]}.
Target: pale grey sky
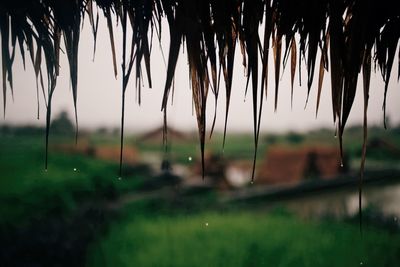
{"points": [[99, 96]]}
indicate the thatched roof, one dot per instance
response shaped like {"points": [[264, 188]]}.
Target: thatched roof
{"points": [[351, 36], [158, 133], [292, 165]]}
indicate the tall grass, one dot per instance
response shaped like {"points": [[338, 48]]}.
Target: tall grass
{"points": [[241, 239]]}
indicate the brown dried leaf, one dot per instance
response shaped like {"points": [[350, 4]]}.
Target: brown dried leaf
{"points": [[320, 81], [277, 59], [292, 68], [111, 33]]}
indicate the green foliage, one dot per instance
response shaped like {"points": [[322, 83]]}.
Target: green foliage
{"points": [[173, 233], [241, 239], [28, 191], [294, 138]]}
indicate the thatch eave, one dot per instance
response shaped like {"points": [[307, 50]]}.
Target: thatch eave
{"points": [[350, 35]]}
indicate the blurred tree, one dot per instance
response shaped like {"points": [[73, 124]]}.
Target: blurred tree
{"points": [[271, 139], [294, 138], [62, 124], [102, 131]]}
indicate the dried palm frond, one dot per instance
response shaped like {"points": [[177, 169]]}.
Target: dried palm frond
{"points": [[343, 31]]}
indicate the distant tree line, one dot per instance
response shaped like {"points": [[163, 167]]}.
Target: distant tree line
{"points": [[61, 126]]}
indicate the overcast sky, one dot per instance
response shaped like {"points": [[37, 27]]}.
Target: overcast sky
{"points": [[99, 96]]}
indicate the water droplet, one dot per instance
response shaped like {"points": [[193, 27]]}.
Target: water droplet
{"points": [[395, 219], [120, 178], [206, 223], [252, 182], [341, 164], [189, 158], [361, 263], [45, 170], [75, 169]]}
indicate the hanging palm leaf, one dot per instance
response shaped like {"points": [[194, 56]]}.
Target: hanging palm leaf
{"points": [[344, 31]]}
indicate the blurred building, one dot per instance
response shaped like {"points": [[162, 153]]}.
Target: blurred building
{"points": [[157, 135], [214, 172], [130, 156], [287, 165], [238, 172]]}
